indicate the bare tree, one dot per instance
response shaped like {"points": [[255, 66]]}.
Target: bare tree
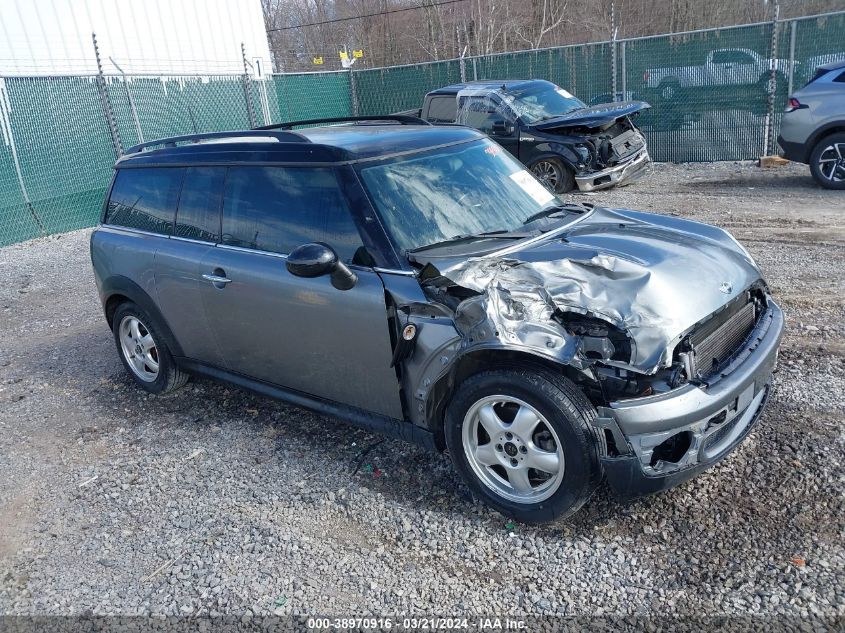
{"points": [[406, 31]]}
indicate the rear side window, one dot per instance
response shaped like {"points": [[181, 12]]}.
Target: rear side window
{"points": [[442, 109], [277, 209], [198, 215], [145, 198], [731, 57]]}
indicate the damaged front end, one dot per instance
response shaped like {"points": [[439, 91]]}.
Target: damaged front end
{"points": [[600, 145], [612, 151], [678, 368]]}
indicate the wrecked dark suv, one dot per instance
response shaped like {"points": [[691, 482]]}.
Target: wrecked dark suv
{"points": [[418, 281]]}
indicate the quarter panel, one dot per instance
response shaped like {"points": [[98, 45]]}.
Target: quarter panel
{"points": [[119, 253]]}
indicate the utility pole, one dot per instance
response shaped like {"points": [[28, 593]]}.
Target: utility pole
{"points": [[104, 99], [773, 79], [250, 112], [613, 50]]}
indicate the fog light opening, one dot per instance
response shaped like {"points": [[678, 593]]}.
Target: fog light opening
{"points": [[673, 449]]}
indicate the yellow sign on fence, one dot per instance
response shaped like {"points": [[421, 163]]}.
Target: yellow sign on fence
{"points": [[358, 54]]}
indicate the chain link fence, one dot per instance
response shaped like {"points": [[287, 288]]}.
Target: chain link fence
{"points": [[709, 92]]}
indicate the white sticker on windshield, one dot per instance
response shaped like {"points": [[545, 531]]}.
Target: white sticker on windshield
{"points": [[532, 187], [564, 93]]}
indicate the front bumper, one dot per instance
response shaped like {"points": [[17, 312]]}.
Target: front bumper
{"points": [[617, 175], [713, 419]]}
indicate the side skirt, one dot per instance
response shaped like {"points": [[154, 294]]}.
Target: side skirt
{"points": [[391, 427]]}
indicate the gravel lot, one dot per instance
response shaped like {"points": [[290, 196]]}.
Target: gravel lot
{"points": [[215, 500]]}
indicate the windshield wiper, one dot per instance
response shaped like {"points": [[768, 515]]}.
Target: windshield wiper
{"points": [[469, 237], [550, 210]]}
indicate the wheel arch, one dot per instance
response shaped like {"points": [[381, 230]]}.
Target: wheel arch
{"points": [[834, 127], [475, 361], [546, 153], [118, 289]]}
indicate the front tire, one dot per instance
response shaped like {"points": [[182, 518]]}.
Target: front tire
{"points": [[556, 176], [668, 89], [523, 441], [827, 161], [143, 352]]}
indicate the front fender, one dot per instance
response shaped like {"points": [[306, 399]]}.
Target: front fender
{"points": [[549, 149]]}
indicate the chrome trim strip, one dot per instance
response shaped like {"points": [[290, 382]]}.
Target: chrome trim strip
{"points": [[191, 241], [113, 228], [255, 251], [394, 271]]}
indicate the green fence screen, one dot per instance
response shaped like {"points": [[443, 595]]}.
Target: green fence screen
{"points": [[709, 93]]}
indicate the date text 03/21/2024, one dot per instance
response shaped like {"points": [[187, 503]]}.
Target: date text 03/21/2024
{"points": [[417, 624]]}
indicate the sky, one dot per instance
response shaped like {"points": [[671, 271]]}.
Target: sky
{"points": [[155, 37]]}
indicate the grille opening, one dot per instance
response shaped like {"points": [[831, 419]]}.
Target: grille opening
{"points": [[718, 419], [673, 449], [719, 338]]}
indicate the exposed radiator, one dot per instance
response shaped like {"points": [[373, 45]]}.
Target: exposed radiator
{"points": [[626, 144], [711, 348]]}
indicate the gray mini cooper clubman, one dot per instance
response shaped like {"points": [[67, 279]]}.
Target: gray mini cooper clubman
{"points": [[419, 282]]}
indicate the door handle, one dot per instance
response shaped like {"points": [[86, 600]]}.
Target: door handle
{"points": [[216, 279]]}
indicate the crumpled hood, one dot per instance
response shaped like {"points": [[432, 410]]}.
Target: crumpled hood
{"points": [[653, 276], [594, 116]]}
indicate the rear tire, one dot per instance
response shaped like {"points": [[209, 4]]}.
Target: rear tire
{"points": [[556, 176], [523, 441], [142, 350], [827, 161]]}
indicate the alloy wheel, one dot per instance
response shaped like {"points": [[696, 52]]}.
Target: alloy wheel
{"points": [[548, 173], [832, 162], [139, 348], [512, 449]]}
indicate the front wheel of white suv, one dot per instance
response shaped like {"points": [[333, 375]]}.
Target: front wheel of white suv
{"points": [[523, 441]]}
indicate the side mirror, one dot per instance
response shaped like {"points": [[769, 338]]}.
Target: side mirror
{"points": [[501, 128], [316, 259]]}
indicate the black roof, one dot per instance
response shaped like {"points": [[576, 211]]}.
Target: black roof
{"points": [[492, 84], [330, 144]]}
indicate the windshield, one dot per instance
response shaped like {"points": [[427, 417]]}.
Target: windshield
{"points": [[464, 189], [541, 103]]}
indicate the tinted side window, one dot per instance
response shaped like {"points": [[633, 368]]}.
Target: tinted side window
{"points": [[732, 57], [198, 216], [479, 112], [279, 208], [145, 198], [442, 109]]}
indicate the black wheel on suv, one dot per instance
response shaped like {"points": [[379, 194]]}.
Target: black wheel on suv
{"points": [[554, 174], [143, 351], [827, 161], [522, 439]]}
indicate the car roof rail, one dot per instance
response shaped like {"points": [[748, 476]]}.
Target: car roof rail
{"points": [[402, 119], [172, 141]]}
